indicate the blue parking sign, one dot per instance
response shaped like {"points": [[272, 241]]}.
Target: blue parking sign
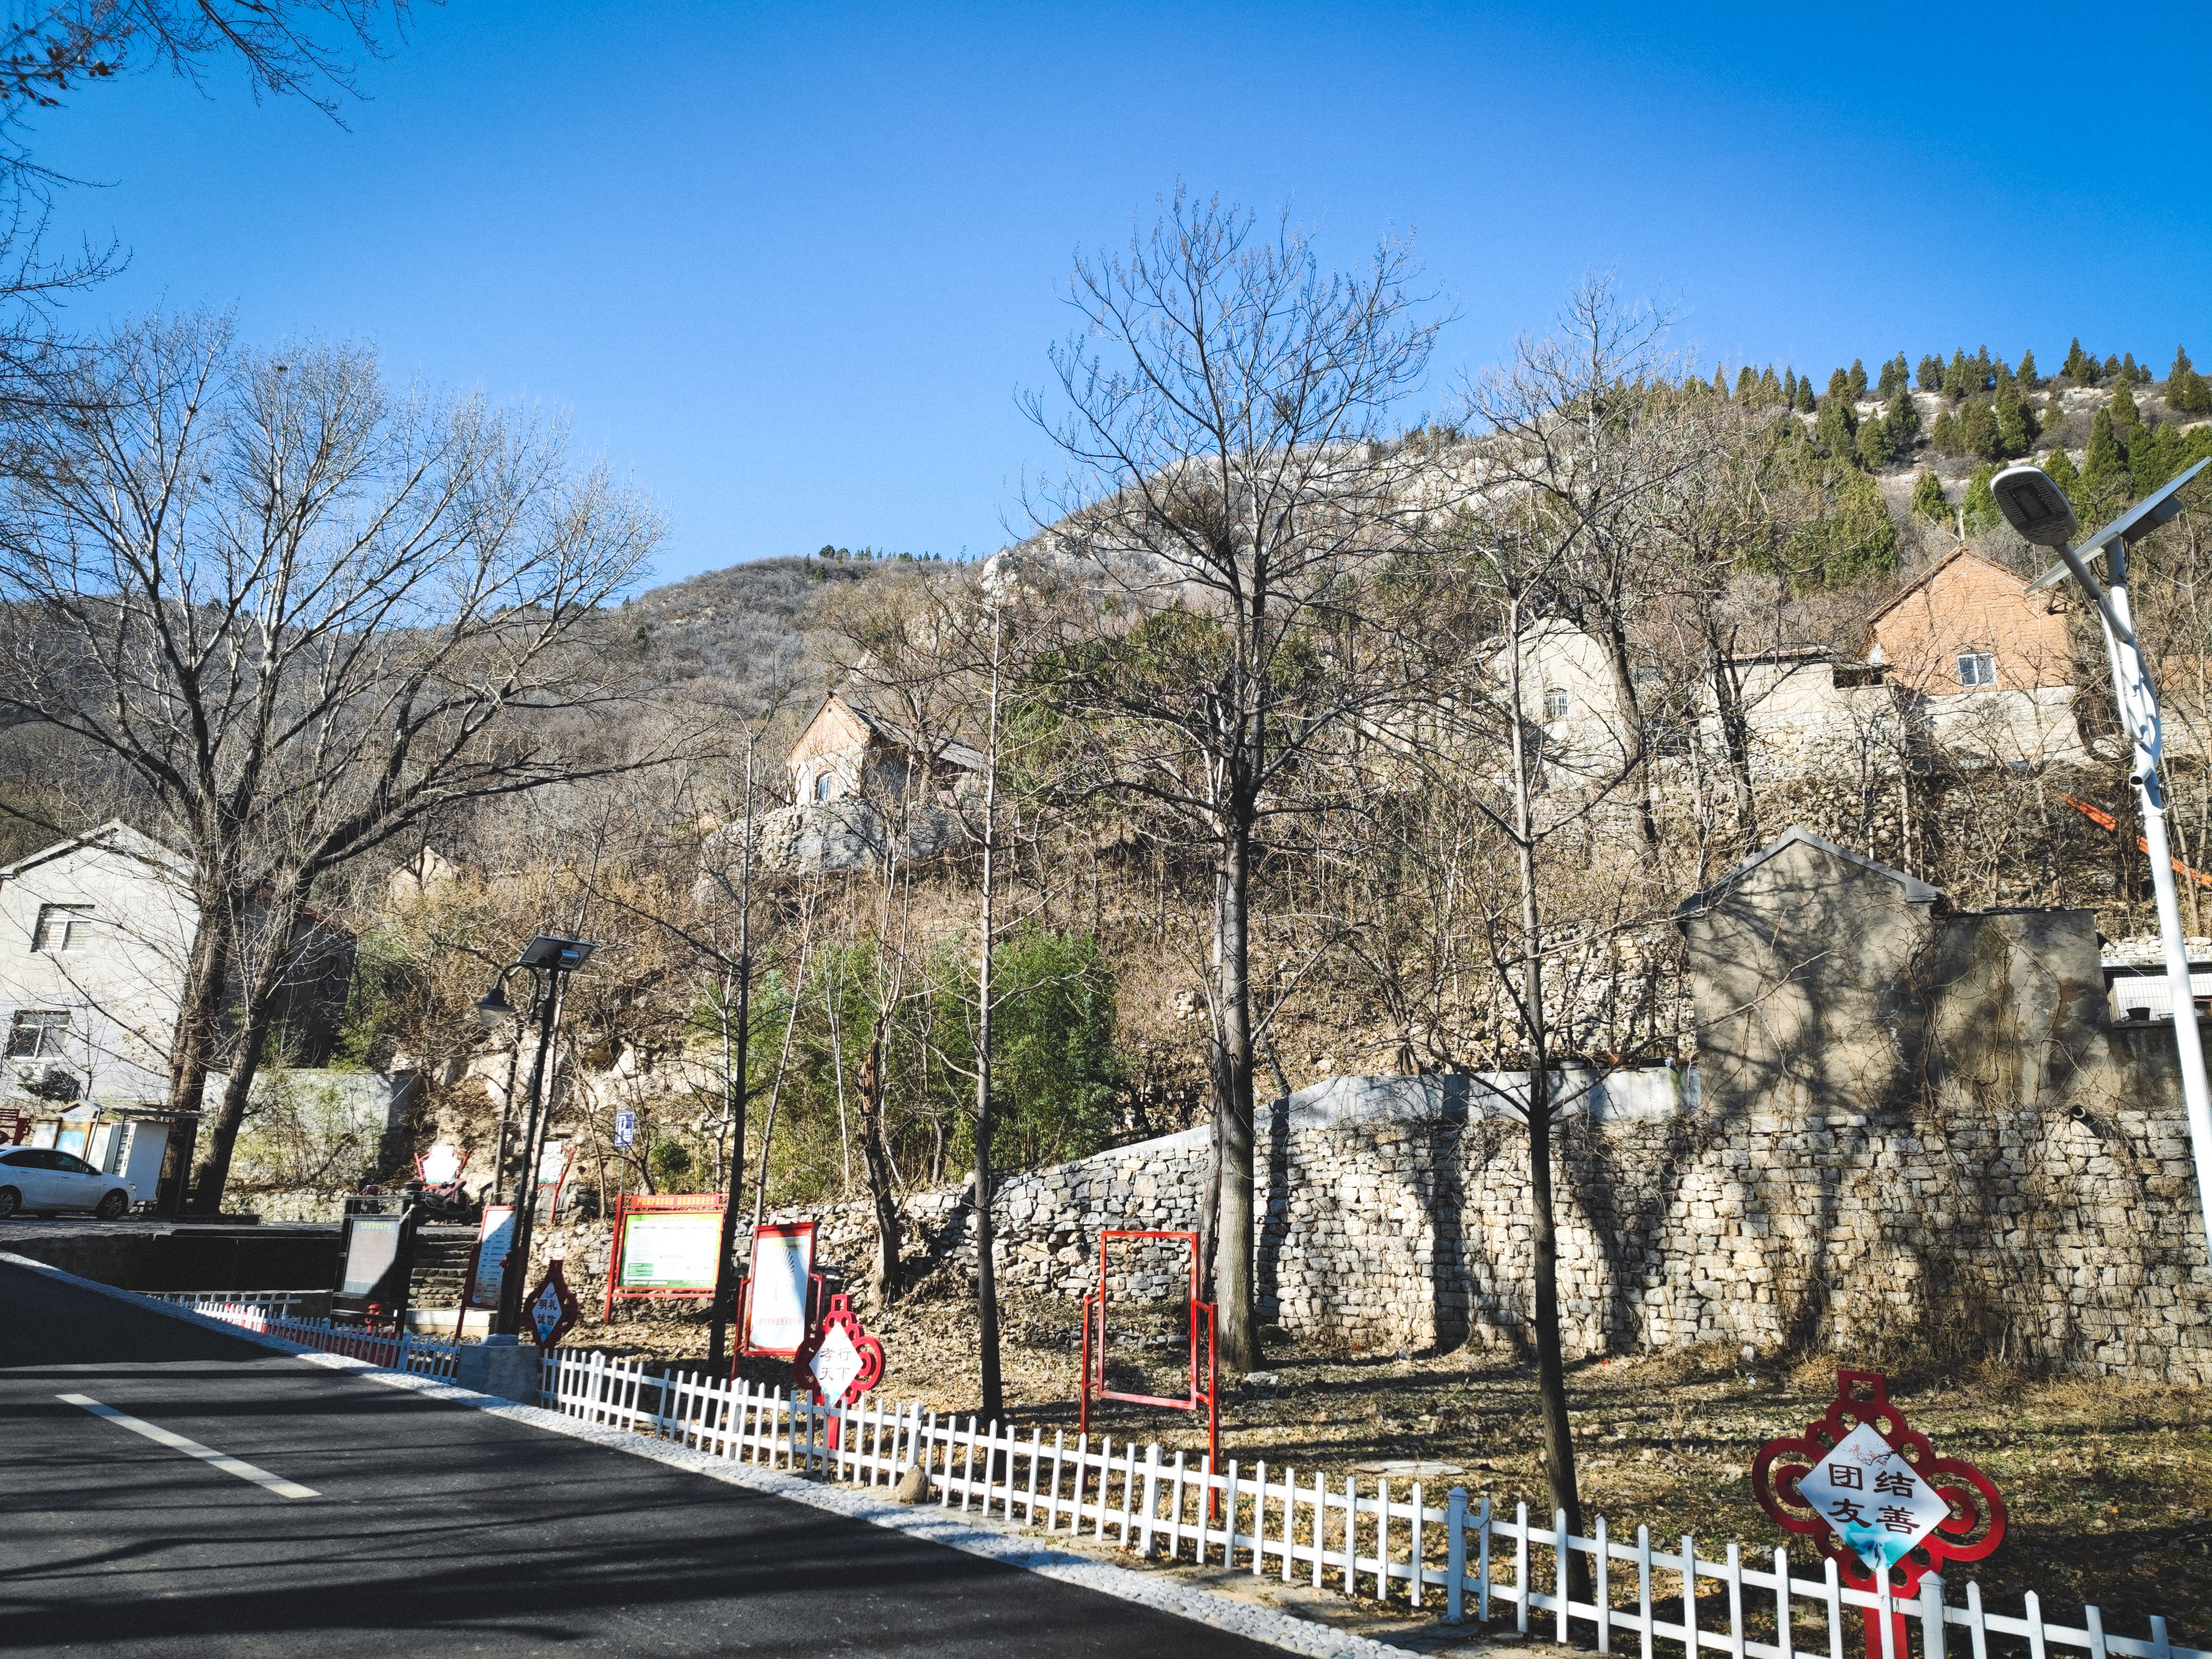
{"points": [[625, 1131]]}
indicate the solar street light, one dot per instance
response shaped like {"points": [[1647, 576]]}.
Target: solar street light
{"points": [[2036, 507]]}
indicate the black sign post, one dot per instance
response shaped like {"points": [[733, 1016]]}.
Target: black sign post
{"points": [[376, 1261]]}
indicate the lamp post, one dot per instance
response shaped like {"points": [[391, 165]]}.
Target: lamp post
{"points": [[550, 960], [2038, 509]]}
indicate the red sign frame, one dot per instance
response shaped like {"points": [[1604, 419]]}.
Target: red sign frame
{"points": [[1208, 1395], [1975, 1527], [810, 1314], [631, 1204], [871, 1350]]}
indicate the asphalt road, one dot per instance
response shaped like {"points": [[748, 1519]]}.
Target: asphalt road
{"points": [[434, 1529]]}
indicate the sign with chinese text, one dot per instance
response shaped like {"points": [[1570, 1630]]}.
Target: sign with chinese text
{"points": [[1872, 1498], [670, 1252], [494, 1237], [554, 1307], [841, 1362]]}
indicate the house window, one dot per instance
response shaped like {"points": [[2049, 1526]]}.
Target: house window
{"points": [[1978, 668], [824, 785], [37, 1034], [1555, 703], [62, 928]]}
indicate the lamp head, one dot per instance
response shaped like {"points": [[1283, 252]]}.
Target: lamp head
{"points": [[551, 952], [493, 1009], [2035, 506]]}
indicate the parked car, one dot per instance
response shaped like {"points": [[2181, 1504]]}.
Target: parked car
{"points": [[41, 1179]]}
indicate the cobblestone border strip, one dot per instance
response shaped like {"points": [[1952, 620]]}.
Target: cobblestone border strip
{"points": [[949, 1528]]}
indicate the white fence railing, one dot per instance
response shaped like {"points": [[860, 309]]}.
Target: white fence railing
{"points": [[276, 1304], [399, 1351], [1378, 1539]]}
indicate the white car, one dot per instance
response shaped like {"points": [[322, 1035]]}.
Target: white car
{"points": [[39, 1178]]}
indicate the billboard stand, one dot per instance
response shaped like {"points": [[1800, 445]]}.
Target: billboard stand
{"points": [[664, 1245], [376, 1261]]}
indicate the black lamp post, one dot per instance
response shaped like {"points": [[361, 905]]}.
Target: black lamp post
{"points": [[549, 959]]}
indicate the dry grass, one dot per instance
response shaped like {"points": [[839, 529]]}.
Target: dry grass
{"points": [[2108, 1487]]}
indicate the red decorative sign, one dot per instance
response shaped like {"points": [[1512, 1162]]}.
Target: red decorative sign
{"points": [[839, 1361], [1882, 1505], [1205, 1387], [553, 1307]]}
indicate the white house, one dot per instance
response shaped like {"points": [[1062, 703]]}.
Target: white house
{"points": [[95, 935]]}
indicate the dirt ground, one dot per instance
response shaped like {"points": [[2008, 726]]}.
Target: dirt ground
{"points": [[2108, 1487]]}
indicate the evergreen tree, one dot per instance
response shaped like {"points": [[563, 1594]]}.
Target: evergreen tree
{"points": [[2015, 420], [2029, 380], [2186, 392], [1840, 384], [1806, 402], [1943, 436], [1932, 373], [1720, 382], [1747, 384], [1858, 379], [1770, 389], [1836, 430], [2127, 419], [1893, 371], [1984, 370], [1789, 388], [1929, 501], [2128, 368], [2105, 469], [1902, 417], [2059, 466], [1874, 443], [2081, 368], [2111, 369], [1980, 506], [1959, 378], [1978, 430]]}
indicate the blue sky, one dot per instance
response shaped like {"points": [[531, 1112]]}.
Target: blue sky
{"points": [[788, 268]]}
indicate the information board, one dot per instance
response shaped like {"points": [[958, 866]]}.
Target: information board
{"points": [[775, 1293], [670, 1252], [371, 1246], [495, 1238]]}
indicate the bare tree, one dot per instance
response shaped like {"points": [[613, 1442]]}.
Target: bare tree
{"points": [[303, 612], [1223, 407]]}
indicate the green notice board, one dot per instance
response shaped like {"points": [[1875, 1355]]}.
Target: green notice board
{"points": [[672, 1252]]}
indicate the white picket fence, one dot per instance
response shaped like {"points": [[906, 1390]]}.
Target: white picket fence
{"points": [[399, 1351], [275, 1304], [1379, 1539]]}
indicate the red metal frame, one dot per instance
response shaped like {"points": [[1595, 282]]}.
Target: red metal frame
{"points": [[632, 1204], [571, 1309], [485, 1218], [1977, 1523], [1201, 1318], [459, 1170]]}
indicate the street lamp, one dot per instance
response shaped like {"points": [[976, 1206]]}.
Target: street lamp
{"points": [[549, 959], [2038, 509]]}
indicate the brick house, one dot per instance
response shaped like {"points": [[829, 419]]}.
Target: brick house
{"points": [[1988, 661]]}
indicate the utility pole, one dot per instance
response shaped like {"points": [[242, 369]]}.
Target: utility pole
{"points": [[717, 1337]]}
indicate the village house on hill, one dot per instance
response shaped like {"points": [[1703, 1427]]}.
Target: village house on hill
{"points": [[864, 780]]}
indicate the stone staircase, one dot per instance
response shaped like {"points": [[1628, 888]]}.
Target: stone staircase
{"points": [[441, 1266]]}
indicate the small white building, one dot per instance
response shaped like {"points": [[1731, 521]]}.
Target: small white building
{"points": [[95, 936]]}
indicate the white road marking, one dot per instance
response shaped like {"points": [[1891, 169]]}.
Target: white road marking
{"points": [[176, 1442]]}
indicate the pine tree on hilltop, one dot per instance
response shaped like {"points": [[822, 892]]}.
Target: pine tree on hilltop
{"points": [[1720, 382], [1858, 379], [2127, 419], [1984, 370], [1959, 378], [2080, 367], [2015, 420], [1873, 444], [2059, 465], [1747, 384], [1789, 388], [1893, 372], [1840, 384], [1929, 501], [1770, 389], [2111, 369], [1902, 417], [2186, 392], [2127, 368], [1836, 430], [2025, 374], [1978, 430], [1979, 508], [2104, 471], [1943, 436], [1932, 373], [1805, 403]]}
